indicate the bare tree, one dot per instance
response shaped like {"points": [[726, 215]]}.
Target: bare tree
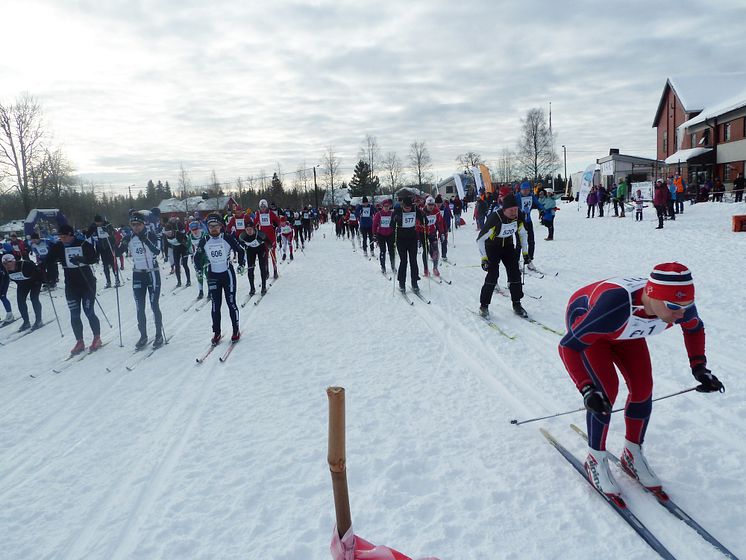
{"points": [[21, 132], [370, 153], [393, 168], [535, 151], [301, 180], [469, 160], [185, 183], [506, 166], [420, 162], [240, 190], [330, 166]]}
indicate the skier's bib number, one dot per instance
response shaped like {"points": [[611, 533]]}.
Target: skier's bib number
{"points": [[17, 276], [240, 223], [264, 219], [407, 219], [353, 218], [286, 230], [526, 203], [366, 212], [385, 221], [72, 251], [216, 254], [431, 219], [508, 229], [42, 250], [102, 233], [638, 327], [305, 215], [297, 223]]}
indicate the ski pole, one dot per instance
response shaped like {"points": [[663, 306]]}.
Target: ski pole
{"points": [[55, 311], [116, 288], [90, 288], [518, 423]]}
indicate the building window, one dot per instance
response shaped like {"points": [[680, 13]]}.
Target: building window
{"points": [[449, 189], [727, 172], [726, 132], [693, 140], [665, 142], [706, 137]]}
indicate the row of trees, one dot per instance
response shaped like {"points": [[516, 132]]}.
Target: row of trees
{"points": [[34, 174]]}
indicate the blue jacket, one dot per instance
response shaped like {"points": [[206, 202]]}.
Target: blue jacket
{"points": [[528, 203], [366, 222]]}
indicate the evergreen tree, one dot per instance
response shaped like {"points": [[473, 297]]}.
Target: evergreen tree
{"points": [[167, 191], [150, 194], [362, 184], [276, 192]]}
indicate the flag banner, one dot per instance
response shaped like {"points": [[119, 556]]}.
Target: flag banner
{"points": [[352, 547]]}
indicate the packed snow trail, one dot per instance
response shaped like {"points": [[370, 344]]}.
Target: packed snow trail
{"points": [[228, 460]]}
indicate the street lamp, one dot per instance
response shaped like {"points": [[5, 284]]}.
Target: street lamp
{"points": [[564, 151], [315, 187]]}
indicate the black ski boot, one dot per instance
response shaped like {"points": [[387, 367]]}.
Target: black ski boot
{"points": [[252, 291], [37, 325], [200, 295], [25, 326], [484, 311], [264, 290], [518, 309], [140, 344], [158, 342], [402, 287], [415, 289], [188, 283]]}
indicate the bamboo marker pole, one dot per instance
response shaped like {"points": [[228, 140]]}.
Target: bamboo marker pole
{"points": [[336, 458]]}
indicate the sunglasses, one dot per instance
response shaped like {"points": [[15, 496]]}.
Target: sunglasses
{"points": [[676, 307]]}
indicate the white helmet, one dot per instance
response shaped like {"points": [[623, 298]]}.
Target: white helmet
{"points": [[430, 200], [263, 203]]}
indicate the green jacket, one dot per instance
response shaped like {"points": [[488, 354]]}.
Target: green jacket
{"points": [[621, 191]]}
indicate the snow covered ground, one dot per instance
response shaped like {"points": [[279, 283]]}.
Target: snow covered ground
{"points": [[178, 460]]}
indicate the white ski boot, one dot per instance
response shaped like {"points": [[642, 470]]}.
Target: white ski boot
{"points": [[597, 467], [634, 463]]}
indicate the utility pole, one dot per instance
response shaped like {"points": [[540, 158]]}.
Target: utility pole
{"points": [[564, 151], [315, 187]]}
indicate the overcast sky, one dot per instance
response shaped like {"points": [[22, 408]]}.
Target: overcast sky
{"points": [[131, 90]]}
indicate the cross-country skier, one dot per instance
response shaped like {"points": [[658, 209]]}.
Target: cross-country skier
{"points": [[365, 217], [495, 243], [268, 222], [430, 234], [4, 285], [607, 323], [194, 237], [383, 232], [527, 201], [286, 238], [445, 213], [298, 231], [352, 224], [101, 233], [142, 246], [254, 243], [307, 217], [40, 249], [221, 277], [406, 219], [28, 279], [175, 241], [77, 256]]}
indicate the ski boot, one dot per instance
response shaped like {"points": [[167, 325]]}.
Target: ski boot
{"points": [[436, 272], [415, 289], [78, 348], [95, 344], [108, 285], [597, 467], [518, 310], [530, 266], [276, 276], [284, 256], [215, 338], [484, 311], [264, 290], [158, 342], [383, 268], [402, 287], [291, 256], [140, 344], [37, 325], [426, 273], [634, 463], [252, 292], [236, 335], [178, 284], [200, 295], [24, 327], [188, 283]]}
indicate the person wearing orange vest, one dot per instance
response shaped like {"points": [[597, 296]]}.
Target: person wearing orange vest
{"points": [[680, 186]]}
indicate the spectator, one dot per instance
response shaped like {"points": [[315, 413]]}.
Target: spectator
{"points": [[621, 197], [549, 205], [738, 187], [680, 185], [660, 201], [671, 198], [639, 205], [717, 190], [602, 198], [591, 200]]}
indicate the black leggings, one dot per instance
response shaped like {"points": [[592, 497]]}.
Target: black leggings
{"points": [[407, 249], [218, 283], [367, 235], [251, 258], [181, 258], [24, 289], [509, 257], [147, 282], [386, 242], [82, 297]]}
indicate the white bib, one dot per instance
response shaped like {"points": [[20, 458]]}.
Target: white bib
{"points": [[218, 253], [286, 229], [637, 327], [408, 219], [69, 252], [17, 276], [142, 256], [526, 203], [385, 221], [431, 219], [507, 230], [102, 233], [353, 217], [305, 215], [366, 212], [240, 223], [41, 249], [264, 219]]}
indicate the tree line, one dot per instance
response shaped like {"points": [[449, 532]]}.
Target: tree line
{"points": [[35, 174]]}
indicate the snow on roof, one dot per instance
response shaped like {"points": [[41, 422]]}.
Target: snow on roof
{"points": [[729, 104], [698, 92], [193, 203], [13, 225], [686, 155]]}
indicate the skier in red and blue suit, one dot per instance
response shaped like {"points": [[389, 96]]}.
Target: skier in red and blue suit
{"points": [[607, 323]]}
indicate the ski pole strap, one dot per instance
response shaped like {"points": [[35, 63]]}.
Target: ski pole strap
{"points": [[517, 422]]}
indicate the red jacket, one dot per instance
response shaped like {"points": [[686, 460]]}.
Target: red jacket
{"points": [[267, 222], [378, 229], [434, 222]]}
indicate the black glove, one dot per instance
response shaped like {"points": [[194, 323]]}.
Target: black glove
{"points": [[485, 263], [595, 401], [709, 383], [75, 259]]}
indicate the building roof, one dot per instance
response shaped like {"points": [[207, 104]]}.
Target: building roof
{"points": [[194, 203], [701, 91], [628, 159], [13, 225], [732, 103], [686, 155]]}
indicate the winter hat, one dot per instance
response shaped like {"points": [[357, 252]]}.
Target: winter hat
{"points": [[194, 225], [137, 218], [262, 203], [8, 258], [438, 199], [213, 218], [365, 199], [509, 201], [407, 201], [98, 218], [66, 229], [670, 282], [430, 200]]}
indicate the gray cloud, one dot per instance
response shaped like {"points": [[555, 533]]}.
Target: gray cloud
{"points": [[238, 87]]}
